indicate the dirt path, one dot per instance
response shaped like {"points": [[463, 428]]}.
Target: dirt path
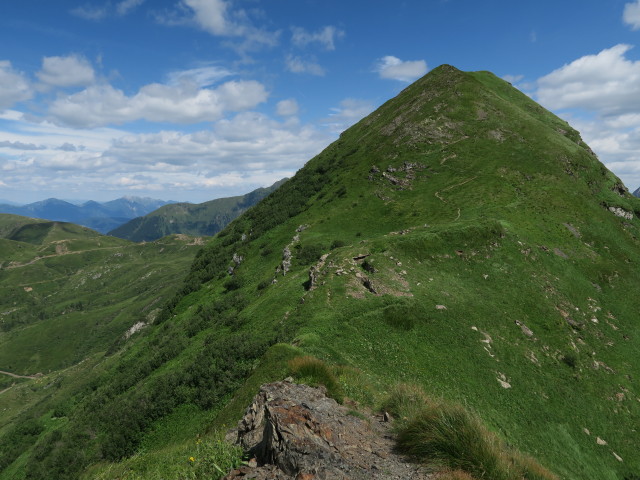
{"points": [[437, 194], [19, 265], [37, 375], [439, 197]]}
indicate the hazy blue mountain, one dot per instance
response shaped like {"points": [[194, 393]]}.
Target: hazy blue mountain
{"points": [[102, 217]]}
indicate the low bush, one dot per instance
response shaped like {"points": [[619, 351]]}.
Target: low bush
{"points": [[404, 314], [308, 254]]}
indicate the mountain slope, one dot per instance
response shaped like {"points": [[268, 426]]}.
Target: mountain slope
{"points": [[206, 218], [67, 291], [460, 238]]}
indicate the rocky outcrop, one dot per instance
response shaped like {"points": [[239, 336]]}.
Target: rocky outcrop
{"points": [[296, 432], [621, 212]]}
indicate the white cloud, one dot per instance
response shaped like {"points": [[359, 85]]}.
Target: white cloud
{"points": [[406, 71], [631, 15], [234, 156], [14, 87], [201, 76], [299, 65], [126, 6], [600, 96], [247, 141], [101, 105], [349, 112], [90, 12], [219, 19], [287, 108], [70, 71], [512, 78], [326, 37], [606, 83], [212, 16]]}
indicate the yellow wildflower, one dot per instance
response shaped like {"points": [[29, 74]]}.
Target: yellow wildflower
{"points": [[191, 459]]}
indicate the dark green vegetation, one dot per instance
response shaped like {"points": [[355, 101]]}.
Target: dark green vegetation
{"points": [[460, 238], [206, 218]]}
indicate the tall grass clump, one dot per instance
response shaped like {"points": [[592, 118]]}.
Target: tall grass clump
{"points": [[450, 436], [314, 371], [406, 402]]}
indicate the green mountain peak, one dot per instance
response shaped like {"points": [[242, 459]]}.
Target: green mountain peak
{"points": [[460, 239]]}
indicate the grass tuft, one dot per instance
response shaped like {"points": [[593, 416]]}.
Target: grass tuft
{"points": [[452, 437], [314, 371]]}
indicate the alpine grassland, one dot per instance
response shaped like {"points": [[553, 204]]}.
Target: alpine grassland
{"points": [[460, 239]]}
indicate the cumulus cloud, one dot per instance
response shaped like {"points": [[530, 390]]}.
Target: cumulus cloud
{"points": [[213, 16], [349, 112], [325, 37], [14, 86], [100, 105], [299, 65], [287, 108], [69, 71], [617, 147], [405, 71], [599, 95], [249, 140], [219, 19], [606, 83], [631, 14], [234, 156]]}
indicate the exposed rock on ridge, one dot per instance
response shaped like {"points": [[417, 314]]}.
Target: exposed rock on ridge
{"points": [[297, 432]]}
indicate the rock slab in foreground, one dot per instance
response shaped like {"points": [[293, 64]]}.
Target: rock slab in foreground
{"points": [[297, 432]]}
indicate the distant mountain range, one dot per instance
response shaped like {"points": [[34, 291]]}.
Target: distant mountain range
{"points": [[206, 218], [102, 217]]}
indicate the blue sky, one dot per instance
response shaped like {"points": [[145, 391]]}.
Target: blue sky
{"points": [[192, 100]]}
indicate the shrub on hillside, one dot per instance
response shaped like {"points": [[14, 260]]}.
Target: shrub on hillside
{"points": [[308, 254], [403, 314]]}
